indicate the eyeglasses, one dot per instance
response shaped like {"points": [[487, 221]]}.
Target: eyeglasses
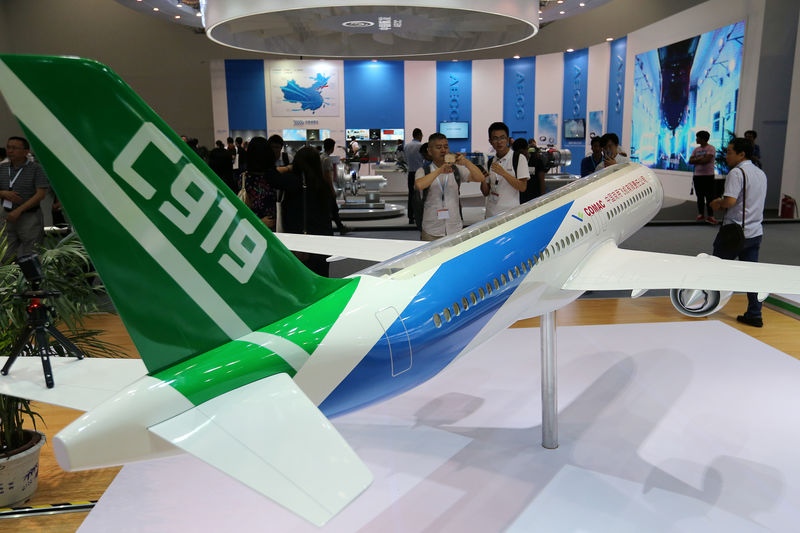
{"points": [[498, 139]]}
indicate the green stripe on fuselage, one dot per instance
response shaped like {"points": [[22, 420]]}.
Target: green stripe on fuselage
{"points": [[238, 363]]}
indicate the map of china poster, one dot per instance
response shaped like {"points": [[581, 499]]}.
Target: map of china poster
{"points": [[305, 89]]}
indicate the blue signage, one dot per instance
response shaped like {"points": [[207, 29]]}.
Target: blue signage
{"points": [[245, 87], [519, 83], [573, 132], [454, 98], [374, 95], [616, 86]]}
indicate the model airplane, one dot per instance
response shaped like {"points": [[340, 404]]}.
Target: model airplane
{"points": [[248, 353]]}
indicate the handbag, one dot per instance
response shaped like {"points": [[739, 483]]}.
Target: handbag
{"points": [[242, 194], [731, 236]]}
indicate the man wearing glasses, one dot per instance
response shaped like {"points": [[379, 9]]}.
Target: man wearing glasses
{"points": [[506, 179]]}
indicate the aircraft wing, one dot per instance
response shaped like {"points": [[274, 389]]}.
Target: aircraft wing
{"points": [[271, 437], [611, 268], [347, 247], [80, 384]]}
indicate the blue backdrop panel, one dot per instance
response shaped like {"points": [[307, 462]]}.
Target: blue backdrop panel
{"points": [[616, 86], [519, 83], [374, 94], [576, 66], [247, 101], [454, 98]]}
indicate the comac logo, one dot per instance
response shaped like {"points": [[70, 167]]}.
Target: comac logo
{"points": [[594, 208], [358, 24], [246, 245]]}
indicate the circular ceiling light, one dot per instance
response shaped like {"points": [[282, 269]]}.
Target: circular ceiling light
{"points": [[372, 28]]}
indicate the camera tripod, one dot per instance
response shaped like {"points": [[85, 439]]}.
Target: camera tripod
{"points": [[37, 328]]}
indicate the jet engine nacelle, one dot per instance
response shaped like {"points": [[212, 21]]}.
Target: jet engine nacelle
{"points": [[698, 303]]}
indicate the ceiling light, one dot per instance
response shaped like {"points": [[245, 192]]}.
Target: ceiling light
{"points": [[609, 38], [155, 9], [541, 18], [582, 4], [454, 60], [516, 57], [179, 5], [540, 11], [374, 60], [199, 15], [560, 2], [570, 49], [561, 12], [177, 16]]}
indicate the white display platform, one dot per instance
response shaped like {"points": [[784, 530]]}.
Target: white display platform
{"points": [[690, 426]]}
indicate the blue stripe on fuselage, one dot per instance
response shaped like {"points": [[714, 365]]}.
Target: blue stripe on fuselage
{"points": [[434, 348]]}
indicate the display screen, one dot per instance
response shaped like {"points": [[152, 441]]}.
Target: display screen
{"points": [[392, 135], [360, 135], [294, 135], [312, 135], [454, 130], [682, 88], [574, 128], [324, 134], [374, 135]]}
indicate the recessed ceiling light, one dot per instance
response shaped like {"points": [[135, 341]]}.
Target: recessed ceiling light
{"points": [[177, 16], [609, 38], [155, 9], [541, 18], [561, 12], [582, 4], [374, 60], [560, 2], [454, 60], [540, 11], [570, 49], [199, 15], [516, 57], [179, 5]]}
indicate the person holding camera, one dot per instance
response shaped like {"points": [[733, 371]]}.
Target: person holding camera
{"points": [[440, 183], [508, 174], [611, 154], [23, 185]]}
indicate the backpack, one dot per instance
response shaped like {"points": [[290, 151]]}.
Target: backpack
{"points": [[418, 197]]}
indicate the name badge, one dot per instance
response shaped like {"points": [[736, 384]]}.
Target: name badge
{"points": [[7, 204], [442, 214]]}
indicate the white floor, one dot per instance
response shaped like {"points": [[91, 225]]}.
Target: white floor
{"points": [[663, 427]]}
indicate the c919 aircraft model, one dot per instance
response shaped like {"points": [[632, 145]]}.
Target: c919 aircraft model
{"points": [[248, 353]]}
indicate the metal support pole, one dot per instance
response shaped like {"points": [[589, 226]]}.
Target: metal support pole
{"points": [[547, 330]]}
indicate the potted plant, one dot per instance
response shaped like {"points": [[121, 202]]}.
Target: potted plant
{"points": [[66, 269]]}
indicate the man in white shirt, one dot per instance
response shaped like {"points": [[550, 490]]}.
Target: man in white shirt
{"points": [[504, 182], [611, 154], [440, 182], [745, 193]]}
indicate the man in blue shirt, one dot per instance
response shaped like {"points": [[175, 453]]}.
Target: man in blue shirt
{"points": [[590, 162]]}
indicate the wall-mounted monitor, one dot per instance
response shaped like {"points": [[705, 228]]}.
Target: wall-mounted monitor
{"points": [[324, 134], [454, 130], [374, 135], [574, 129], [360, 134], [294, 135], [312, 135], [392, 135]]}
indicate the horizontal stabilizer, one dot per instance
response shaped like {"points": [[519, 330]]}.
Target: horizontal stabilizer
{"points": [[610, 268], [272, 438], [350, 247], [80, 384]]}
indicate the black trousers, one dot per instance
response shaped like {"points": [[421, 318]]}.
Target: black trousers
{"points": [[412, 176], [704, 189]]}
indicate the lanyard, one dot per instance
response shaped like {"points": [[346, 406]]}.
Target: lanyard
{"points": [[12, 181], [438, 178]]}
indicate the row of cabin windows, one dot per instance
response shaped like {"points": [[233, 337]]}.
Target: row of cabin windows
{"points": [[629, 202], [494, 285]]}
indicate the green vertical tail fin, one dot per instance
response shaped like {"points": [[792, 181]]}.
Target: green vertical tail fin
{"points": [[186, 263]]}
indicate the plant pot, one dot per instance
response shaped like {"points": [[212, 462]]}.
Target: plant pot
{"points": [[19, 472]]}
